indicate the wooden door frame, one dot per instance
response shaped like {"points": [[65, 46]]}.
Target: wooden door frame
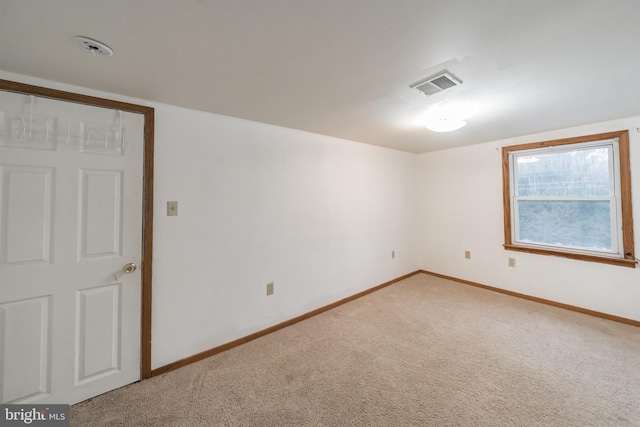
{"points": [[147, 205]]}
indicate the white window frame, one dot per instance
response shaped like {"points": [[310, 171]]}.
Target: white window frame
{"points": [[612, 147]]}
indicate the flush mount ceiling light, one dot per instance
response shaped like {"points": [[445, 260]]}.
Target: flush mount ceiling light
{"points": [[447, 117], [444, 124], [93, 46]]}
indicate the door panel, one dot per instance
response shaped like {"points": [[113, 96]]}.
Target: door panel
{"points": [[25, 343], [70, 219], [98, 332], [101, 214], [26, 238]]}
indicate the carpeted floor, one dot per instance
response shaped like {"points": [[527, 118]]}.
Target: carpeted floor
{"points": [[422, 352]]}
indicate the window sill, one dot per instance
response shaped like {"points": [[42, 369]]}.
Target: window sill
{"points": [[623, 262]]}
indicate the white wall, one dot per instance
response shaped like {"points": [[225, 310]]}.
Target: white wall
{"points": [[461, 209], [318, 216]]}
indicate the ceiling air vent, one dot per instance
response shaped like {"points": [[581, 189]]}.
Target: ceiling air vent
{"points": [[434, 84]]}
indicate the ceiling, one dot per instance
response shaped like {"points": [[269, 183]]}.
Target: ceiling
{"points": [[343, 67]]}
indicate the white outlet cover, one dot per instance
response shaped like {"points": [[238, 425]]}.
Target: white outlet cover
{"points": [[172, 208]]}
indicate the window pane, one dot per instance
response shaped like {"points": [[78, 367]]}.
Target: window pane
{"points": [[580, 224], [580, 172]]}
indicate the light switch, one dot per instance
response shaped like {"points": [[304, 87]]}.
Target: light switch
{"points": [[172, 208]]}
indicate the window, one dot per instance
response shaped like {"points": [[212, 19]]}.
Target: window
{"points": [[570, 197]]}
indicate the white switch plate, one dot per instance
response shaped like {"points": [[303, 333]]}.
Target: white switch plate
{"points": [[172, 208]]}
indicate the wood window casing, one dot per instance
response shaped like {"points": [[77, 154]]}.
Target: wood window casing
{"points": [[624, 171]]}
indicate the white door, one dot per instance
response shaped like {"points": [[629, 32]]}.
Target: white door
{"points": [[70, 220]]}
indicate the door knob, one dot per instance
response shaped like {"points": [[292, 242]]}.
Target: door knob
{"points": [[130, 268]]}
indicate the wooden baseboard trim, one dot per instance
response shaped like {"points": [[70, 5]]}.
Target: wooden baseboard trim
{"points": [[207, 353], [539, 300]]}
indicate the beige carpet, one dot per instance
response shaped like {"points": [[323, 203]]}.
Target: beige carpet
{"points": [[422, 352]]}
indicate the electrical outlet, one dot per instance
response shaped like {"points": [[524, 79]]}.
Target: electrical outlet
{"points": [[270, 288], [172, 208], [393, 254], [512, 262], [467, 254]]}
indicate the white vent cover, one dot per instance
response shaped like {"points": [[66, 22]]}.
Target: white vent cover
{"points": [[437, 83]]}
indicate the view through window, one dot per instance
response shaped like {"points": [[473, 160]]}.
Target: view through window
{"points": [[568, 197]]}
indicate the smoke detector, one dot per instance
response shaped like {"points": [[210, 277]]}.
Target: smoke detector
{"points": [[93, 46], [438, 83]]}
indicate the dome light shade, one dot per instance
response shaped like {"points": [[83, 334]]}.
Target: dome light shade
{"points": [[444, 124], [447, 117]]}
